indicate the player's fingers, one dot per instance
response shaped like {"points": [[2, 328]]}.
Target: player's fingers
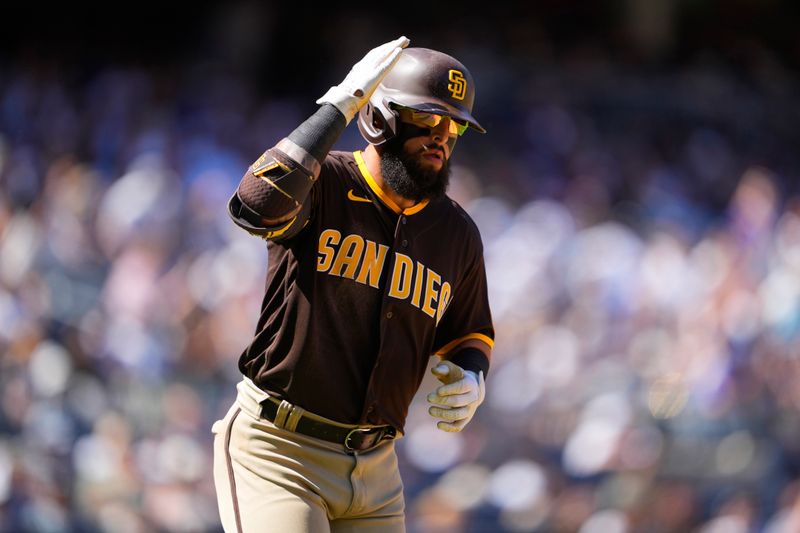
{"points": [[454, 400], [393, 57], [452, 427], [388, 49], [400, 42], [448, 372], [449, 415], [459, 387]]}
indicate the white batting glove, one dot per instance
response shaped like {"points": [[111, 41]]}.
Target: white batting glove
{"points": [[456, 401], [365, 76]]}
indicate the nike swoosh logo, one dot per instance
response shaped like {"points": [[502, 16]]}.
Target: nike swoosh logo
{"points": [[352, 196]]}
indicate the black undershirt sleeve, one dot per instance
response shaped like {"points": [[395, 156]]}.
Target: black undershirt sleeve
{"points": [[471, 359], [319, 133]]}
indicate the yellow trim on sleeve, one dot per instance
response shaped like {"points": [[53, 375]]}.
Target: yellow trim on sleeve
{"points": [[279, 232], [362, 166], [478, 336]]}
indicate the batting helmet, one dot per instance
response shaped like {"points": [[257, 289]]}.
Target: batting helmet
{"points": [[424, 80]]}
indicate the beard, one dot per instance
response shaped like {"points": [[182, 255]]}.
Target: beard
{"points": [[408, 177]]}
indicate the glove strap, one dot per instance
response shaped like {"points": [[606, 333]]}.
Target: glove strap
{"points": [[345, 102]]}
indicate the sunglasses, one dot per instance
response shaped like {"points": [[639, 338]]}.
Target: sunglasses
{"points": [[424, 119]]}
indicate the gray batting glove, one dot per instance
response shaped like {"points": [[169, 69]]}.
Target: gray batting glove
{"points": [[456, 401], [365, 76]]}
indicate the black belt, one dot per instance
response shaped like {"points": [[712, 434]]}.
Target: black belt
{"points": [[353, 439]]}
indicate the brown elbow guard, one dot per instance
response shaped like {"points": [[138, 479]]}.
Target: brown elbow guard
{"points": [[275, 187]]}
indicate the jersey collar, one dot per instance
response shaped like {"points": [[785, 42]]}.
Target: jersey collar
{"points": [[362, 166]]}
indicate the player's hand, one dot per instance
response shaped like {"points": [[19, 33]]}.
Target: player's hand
{"points": [[365, 76], [456, 401]]}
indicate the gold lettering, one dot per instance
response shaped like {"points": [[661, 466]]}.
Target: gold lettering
{"points": [[327, 238], [430, 292], [444, 300], [401, 277], [418, 284], [372, 265], [348, 257]]}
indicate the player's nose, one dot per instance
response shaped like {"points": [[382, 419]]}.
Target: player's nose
{"points": [[441, 133]]}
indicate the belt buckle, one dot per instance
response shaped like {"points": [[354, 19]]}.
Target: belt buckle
{"points": [[350, 433]]}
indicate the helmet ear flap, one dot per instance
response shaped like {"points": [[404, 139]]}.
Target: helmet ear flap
{"points": [[374, 126], [384, 124], [377, 121]]}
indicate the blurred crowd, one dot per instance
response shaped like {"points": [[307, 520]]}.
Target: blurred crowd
{"points": [[642, 240]]}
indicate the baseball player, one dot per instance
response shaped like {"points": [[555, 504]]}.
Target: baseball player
{"points": [[372, 269]]}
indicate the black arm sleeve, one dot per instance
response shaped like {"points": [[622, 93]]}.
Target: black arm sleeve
{"points": [[471, 359], [318, 134]]}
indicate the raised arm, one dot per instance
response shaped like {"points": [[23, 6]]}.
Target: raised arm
{"points": [[271, 198]]}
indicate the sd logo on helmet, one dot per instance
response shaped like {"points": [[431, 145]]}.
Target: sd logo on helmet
{"points": [[423, 80]]}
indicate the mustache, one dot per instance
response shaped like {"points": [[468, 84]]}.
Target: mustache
{"points": [[426, 148]]}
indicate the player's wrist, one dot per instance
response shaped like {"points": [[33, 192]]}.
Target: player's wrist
{"points": [[346, 103], [472, 359]]}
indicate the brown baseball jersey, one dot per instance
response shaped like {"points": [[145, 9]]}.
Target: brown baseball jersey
{"points": [[360, 293]]}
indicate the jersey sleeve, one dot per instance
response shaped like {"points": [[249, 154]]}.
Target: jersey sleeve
{"points": [[465, 334]]}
